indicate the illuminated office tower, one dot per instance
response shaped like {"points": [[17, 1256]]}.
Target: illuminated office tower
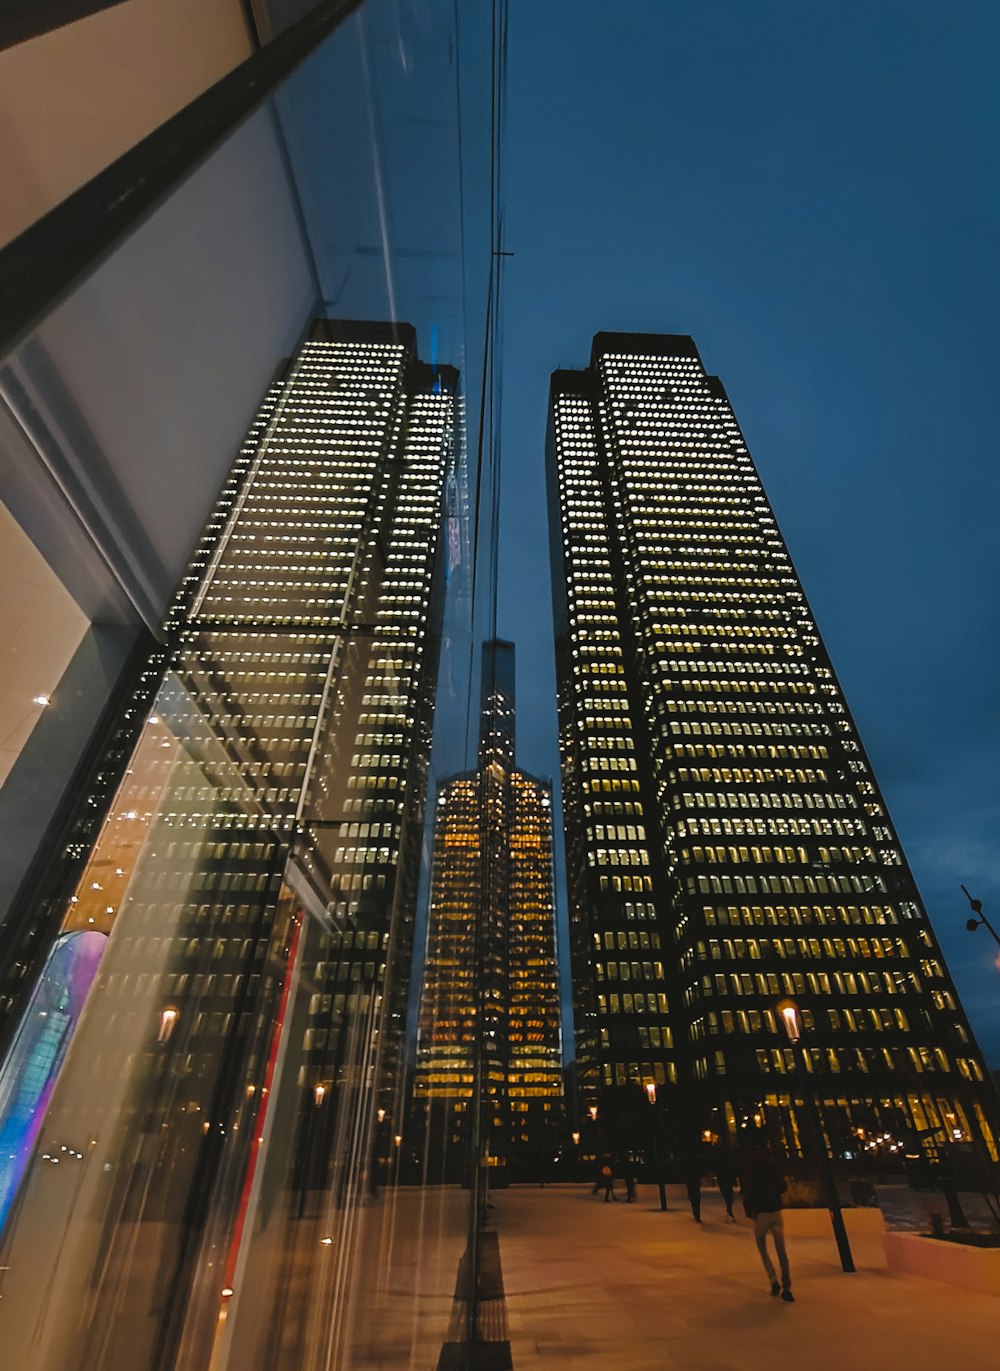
{"points": [[727, 844], [256, 876], [489, 1015]]}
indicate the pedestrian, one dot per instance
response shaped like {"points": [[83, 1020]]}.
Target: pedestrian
{"points": [[763, 1184], [608, 1180], [725, 1178], [629, 1169], [692, 1180]]}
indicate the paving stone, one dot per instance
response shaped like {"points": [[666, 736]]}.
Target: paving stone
{"points": [[593, 1287]]}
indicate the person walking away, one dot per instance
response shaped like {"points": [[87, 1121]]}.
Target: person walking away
{"points": [[692, 1180], [629, 1170], [598, 1176], [608, 1180], [725, 1179], [763, 1184]]}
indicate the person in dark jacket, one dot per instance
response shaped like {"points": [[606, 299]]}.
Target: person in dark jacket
{"points": [[692, 1182], [629, 1175], [725, 1178], [763, 1184], [608, 1179]]}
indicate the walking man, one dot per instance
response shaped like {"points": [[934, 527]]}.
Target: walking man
{"points": [[629, 1170], [725, 1177], [692, 1181], [763, 1184]]}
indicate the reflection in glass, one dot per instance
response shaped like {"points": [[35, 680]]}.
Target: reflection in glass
{"points": [[258, 875], [225, 1171], [31, 1068]]}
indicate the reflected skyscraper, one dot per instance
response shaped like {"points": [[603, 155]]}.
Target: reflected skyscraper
{"points": [[256, 876], [489, 1018], [727, 842]]}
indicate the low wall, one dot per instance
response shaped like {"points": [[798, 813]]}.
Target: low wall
{"points": [[973, 1268], [815, 1223]]}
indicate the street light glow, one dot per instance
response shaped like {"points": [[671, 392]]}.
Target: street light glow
{"points": [[792, 1019]]}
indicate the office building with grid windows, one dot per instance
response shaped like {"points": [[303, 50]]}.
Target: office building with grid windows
{"points": [[490, 1007], [727, 844], [247, 907]]}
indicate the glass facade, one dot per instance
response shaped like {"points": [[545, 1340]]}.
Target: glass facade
{"points": [[238, 1063], [727, 843], [214, 838]]}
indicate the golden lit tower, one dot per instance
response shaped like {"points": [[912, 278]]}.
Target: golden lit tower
{"points": [[727, 844], [490, 1007]]}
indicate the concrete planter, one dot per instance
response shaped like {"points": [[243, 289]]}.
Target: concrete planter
{"points": [[973, 1268], [815, 1223]]}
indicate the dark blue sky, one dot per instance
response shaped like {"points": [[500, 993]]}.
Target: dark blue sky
{"points": [[811, 192]]}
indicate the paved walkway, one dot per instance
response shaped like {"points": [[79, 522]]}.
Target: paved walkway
{"points": [[624, 1287]]}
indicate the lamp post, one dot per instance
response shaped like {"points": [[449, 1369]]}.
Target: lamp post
{"points": [[378, 1142], [792, 1020], [651, 1096], [592, 1115], [981, 921]]}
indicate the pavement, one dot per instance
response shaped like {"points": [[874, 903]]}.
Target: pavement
{"points": [[601, 1286]]}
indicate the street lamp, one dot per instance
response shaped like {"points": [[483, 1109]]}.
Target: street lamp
{"points": [[651, 1096], [982, 921], [791, 1017], [789, 1012]]}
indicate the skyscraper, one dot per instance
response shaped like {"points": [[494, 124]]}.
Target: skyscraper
{"points": [[727, 843], [489, 1018], [256, 876]]}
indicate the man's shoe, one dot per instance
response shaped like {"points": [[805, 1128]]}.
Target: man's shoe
{"points": [[787, 1296], [775, 1289]]}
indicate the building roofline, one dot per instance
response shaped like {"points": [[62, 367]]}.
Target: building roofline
{"points": [[645, 344], [566, 382], [362, 331]]}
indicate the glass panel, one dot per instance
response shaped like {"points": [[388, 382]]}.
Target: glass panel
{"points": [[41, 627], [210, 1153]]}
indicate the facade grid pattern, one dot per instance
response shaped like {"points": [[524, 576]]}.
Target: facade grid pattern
{"points": [[727, 843]]}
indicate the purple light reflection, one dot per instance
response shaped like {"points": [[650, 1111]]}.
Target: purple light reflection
{"points": [[29, 1074]]}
